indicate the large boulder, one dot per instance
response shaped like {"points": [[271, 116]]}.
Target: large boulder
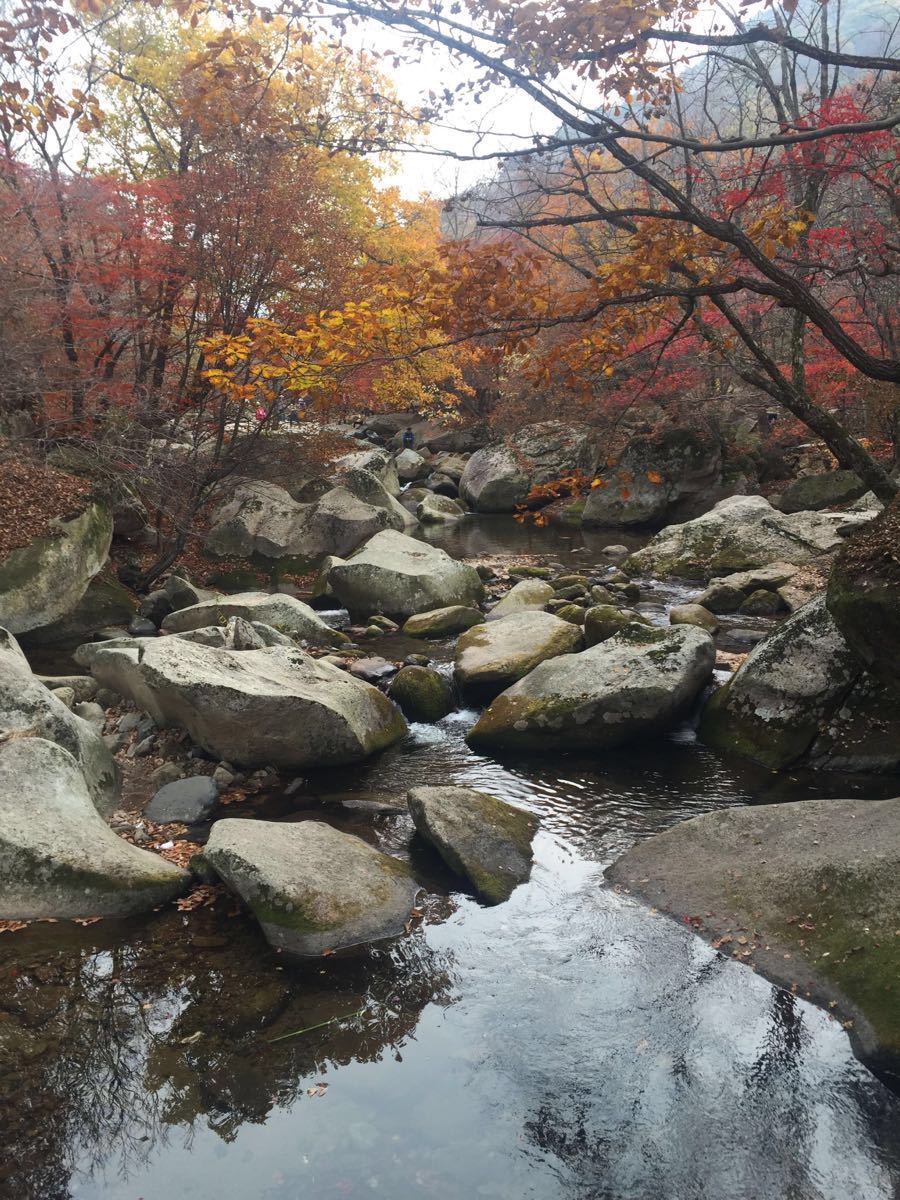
{"points": [[808, 893], [640, 681], [499, 477], [864, 594], [439, 510], [58, 857], [482, 838], [657, 479], [368, 487], [821, 491], [340, 521], [491, 657], [105, 604], [377, 462], [804, 696], [312, 888], [29, 709], [410, 465], [258, 518], [272, 707], [399, 576], [738, 534], [42, 582], [284, 613]]}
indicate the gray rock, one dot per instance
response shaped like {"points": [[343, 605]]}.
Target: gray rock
{"points": [[92, 713], [490, 657], [311, 888], [835, 864], [84, 687], [58, 857], [372, 669], [223, 777], [442, 622], [28, 708], [142, 627], [274, 707], [283, 613], [528, 595], [167, 772], [761, 603], [181, 593], [410, 466], [65, 695], [640, 681], [399, 576], [480, 837], [258, 518], [143, 747], [377, 462], [615, 551], [154, 607], [821, 491], [438, 510], [43, 582], [188, 801], [740, 533], [105, 603]]}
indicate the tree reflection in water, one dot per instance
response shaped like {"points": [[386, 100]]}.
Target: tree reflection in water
{"points": [[112, 1037]]}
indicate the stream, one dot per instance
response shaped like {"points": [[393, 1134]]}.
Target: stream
{"points": [[569, 1044]]}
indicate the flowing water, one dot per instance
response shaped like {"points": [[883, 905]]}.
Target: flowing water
{"points": [[567, 1045]]}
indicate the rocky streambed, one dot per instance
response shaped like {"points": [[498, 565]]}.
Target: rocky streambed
{"points": [[572, 1039]]}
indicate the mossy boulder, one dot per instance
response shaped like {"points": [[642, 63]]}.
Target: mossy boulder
{"points": [[492, 656], [693, 614], [43, 582], [808, 893], [864, 594], [804, 696], [421, 693], [822, 491], [639, 682], [603, 621], [443, 622], [738, 534], [284, 613], [312, 888], [104, 605], [481, 838]]}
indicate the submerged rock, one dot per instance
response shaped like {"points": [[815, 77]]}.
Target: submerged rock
{"points": [[29, 709], [492, 656], [740, 533], [482, 838], [283, 613], [640, 681], [312, 888], [422, 693], [273, 707], [813, 888], [58, 857], [399, 576]]}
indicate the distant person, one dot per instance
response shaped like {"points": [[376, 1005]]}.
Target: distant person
{"points": [[261, 413], [408, 439]]}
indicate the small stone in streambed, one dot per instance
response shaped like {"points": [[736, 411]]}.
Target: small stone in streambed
{"points": [[747, 637], [294, 786], [91, 712], [482, 838], [385, 624], [375, 803], [372, 669], [693, 614], [222, 777], [168, 772], [142, 748], [573, 613], [615, 552], [188, 801], [65, 694], [526, 571], [416, 660], [421, 693], [443, 622]]}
